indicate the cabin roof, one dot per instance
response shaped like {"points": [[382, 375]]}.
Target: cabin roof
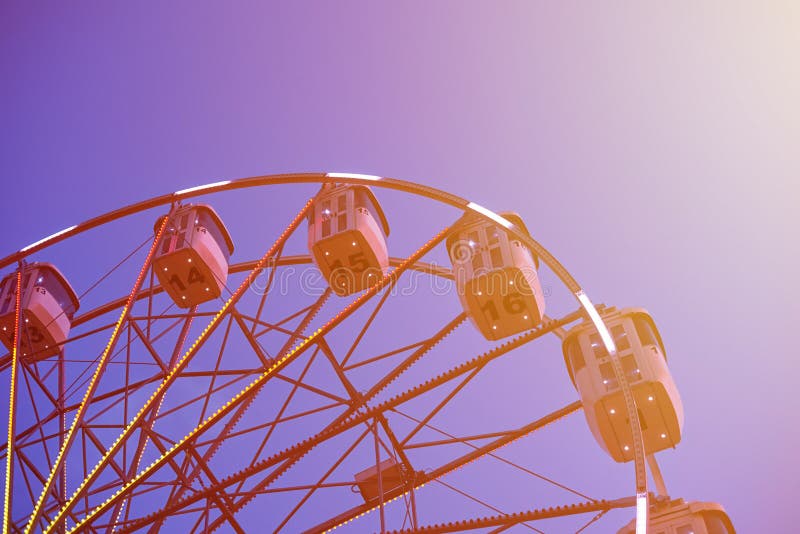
{"points": [[61, 278], [214, 215], [470, 219], [607, 313]]}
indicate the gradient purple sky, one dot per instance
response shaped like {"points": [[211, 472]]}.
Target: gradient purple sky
{"points": [[652, 148]]}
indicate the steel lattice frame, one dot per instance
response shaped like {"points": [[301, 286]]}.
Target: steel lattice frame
{"points": [[147, 438]]}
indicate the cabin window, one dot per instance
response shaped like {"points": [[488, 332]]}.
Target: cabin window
{"points": [[51, 283], [607, 374], [207, 221], [477, 263], [631, 368], [341, 221], [597, 346], [497, 258], [166, 242], [364, 200], [492, 236], [684, 529], [493, 244], [474, 243], [645, 332], [620, 338], [341, 203]]}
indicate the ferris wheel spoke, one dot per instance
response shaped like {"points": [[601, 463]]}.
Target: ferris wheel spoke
{"points": [[322, 479], [147, 425], [74, 387], [332, 429], [264, 358], [442, 404], [483, 503], [270, 279], [182, 362], [321, 343], [289, 318], [37, 418], [221, 501], [368, 322], [298, 334], [94, 381], [255, 385], [283, 409], [424, 478], [388, 282], [505, 521], [355, 420], [12, 410], [468, 441], [351, 419]]}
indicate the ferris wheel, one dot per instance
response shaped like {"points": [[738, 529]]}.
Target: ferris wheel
{"points": [[309, 371]]}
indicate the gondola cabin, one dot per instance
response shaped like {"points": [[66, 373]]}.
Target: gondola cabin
{"points": [[391, 478], [48, 304], [347, 232], [641, 353], [191, 261], [496, 277], [680, 517]]}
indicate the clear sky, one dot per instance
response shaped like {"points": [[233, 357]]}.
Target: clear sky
{"points": [[653, 148]]}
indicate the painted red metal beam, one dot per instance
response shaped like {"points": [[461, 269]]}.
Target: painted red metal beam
{"points": [[349, 420], [520, 517]]}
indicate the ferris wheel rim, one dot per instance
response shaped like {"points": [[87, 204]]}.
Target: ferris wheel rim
{"points": [[417, 189], [407, 186]]}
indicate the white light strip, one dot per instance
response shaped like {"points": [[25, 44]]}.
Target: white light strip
{"points": [[489, 213], [48, 238], [641, 513], [201, 187], [605, 335], [352, 175]]}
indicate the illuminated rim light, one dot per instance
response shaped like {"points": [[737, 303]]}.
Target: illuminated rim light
{"points": [[370, 177], [48, 238], [488, 213], [605, 335], [202, 187], [641, 513]]}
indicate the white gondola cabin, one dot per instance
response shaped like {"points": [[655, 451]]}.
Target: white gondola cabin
{"points": [[48, 304], [347, 232], [191, 261], [641, 353], [680, 517], [496, 277]]}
